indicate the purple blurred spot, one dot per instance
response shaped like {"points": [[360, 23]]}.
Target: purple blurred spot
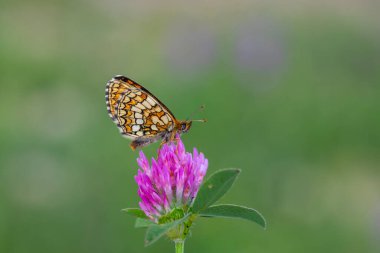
{"points": [[260, 47], [189, 47]]}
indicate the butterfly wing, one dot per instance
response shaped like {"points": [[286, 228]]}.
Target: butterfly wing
{"points": [[137, 112], [114, 89]]}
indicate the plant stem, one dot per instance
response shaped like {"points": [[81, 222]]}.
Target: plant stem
{"points": [[179, 246]]}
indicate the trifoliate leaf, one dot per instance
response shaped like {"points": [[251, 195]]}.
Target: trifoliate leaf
{"points": [[143, 223], [214, 188], [136, 212], [234, 211], [155, 232]]}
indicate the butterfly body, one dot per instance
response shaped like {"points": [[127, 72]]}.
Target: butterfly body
{"points": [[139, 115]]}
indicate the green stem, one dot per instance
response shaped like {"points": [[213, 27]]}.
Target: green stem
{"points": [[179, 246]]}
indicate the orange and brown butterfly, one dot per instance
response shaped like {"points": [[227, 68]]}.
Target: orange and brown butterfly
{"points": [[139, 115]]}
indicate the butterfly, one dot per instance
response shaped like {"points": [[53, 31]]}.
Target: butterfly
{"points": [[139, 115]]}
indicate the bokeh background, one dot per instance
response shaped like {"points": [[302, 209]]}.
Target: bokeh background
{"points": [[292, 95]]}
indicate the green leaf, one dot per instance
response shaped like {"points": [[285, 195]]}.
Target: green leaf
{"points": [[234, 211], [143, 223], [136, 212], [214, 188], [155, 232]]}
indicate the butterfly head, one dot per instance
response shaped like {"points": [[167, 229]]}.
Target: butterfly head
{"points": [[185, 126]]}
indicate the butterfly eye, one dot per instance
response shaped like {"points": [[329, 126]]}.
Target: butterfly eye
{"points": [[183, 126]]}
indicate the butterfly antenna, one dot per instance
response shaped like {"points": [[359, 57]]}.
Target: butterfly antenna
{"points": [[199, 120], [201, 109]]}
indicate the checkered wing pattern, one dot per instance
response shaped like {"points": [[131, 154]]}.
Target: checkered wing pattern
{"points": [[137, 113]]}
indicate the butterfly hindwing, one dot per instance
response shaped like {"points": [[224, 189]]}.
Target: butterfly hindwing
{"points": [[137, 112]]}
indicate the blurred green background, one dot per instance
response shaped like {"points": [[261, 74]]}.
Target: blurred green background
{"points": [[292, 95]]}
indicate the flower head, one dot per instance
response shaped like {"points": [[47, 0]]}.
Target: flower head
{"points": [[171, 181]]}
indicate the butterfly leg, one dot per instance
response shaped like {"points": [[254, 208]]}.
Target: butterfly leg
{"points": [[174, 136], [167, 138]]}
